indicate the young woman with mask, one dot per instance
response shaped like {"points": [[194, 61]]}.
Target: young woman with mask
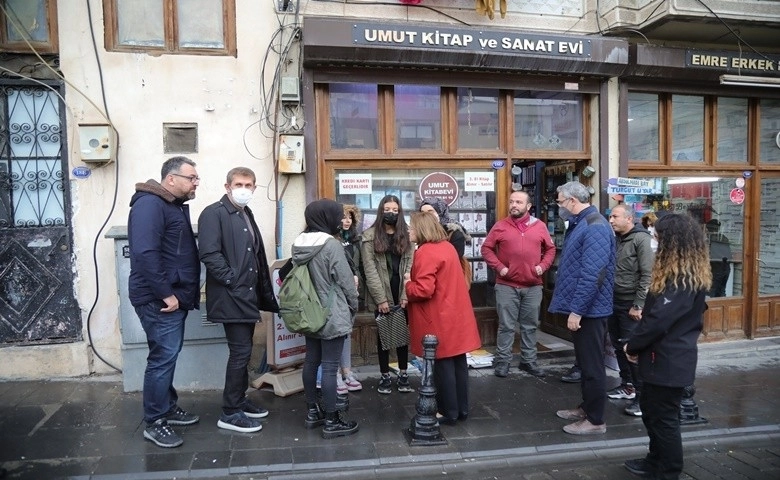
{"points": [[386, 255]]}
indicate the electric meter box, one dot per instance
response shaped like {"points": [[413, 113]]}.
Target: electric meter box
{"points": [[291, 154], [97, 143]]}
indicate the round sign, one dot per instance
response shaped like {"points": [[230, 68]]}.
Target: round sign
{"points": [[740, 182], [441, 185], [737, 196]]}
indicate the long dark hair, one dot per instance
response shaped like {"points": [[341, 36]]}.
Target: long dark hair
{"points": [[401, 243]]}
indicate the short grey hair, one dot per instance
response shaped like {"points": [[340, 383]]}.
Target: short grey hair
{"points": [[575, 190], [630, 213]]}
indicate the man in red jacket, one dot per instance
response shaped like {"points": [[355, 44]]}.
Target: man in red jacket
{"points": [[520, 250]]}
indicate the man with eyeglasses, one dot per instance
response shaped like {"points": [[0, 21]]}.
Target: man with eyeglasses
{"points": [[164, 285], [583, 292]]}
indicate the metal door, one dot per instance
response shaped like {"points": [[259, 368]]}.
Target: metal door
{"points": [[37, 303]]}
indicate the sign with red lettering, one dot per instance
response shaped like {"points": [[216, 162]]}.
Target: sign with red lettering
{"points": [[441, 185], [737, 196], [355, 183]]}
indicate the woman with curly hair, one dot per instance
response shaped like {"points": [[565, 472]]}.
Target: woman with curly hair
{"points": [[664, 341], [386, 254]]}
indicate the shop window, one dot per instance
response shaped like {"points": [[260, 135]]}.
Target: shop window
{"points": [[687, 128], [478, 118], [28, 21], [732, 130], [769, 249], [475, 210], [548, 121], [354, 122], [711, 202], [643, 126], [769, 139], [418, 117], [171, 26]]}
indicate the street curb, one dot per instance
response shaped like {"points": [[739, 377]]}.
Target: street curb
{"points": [[558, 455]]}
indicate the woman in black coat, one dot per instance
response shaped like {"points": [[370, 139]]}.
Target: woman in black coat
{"points": [[664, 342]]}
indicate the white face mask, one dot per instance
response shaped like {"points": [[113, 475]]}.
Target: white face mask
{"points": [[241, 196]]}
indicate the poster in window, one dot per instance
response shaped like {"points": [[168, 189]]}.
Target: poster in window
{"points": [[467, 220], [480, 271], [477, 245], [480, 222], [363, 202], [465, 201], [407, 201], [376, 198], [479, 199]]}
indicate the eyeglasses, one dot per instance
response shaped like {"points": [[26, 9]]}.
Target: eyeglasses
{"points": [[191, 178], [560, 202]]}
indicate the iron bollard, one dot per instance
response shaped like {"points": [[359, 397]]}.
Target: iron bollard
{"points": [[424, 429], [689, 411]]}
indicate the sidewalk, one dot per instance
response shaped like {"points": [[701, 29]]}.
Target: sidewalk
{"points": [[89, 428]]}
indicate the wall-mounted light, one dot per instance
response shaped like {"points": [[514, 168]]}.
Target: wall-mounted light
{"points": [[748, 81]]}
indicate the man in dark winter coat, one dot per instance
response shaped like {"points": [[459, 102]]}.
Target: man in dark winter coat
{"points": [[238, 286], [633, 268], [583, 292], [163, 286]]}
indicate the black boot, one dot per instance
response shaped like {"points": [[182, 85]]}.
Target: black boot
{"points": [[315, 417], [336, 427]]}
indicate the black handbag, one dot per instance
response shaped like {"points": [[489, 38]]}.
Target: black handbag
{"points": [[392, 327]]}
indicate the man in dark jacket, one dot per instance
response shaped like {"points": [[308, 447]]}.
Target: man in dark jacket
{"points": [[583, 292], [238, 286], [164, 285], [633, 268]]}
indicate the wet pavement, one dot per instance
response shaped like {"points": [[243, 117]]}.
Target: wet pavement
{"points": [[90, 428]]}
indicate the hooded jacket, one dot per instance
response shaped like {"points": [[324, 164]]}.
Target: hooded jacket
{"points": [[633, 266], [329, 269], [238, 283], [163, 254]]}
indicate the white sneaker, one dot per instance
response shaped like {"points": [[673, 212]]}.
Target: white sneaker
{"points": [[353, 385], [341, 386]]}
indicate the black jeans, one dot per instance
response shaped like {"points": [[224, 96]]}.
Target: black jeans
{"points": [[661, 416], [239, 341], [451, 377], [327, 353], [620, 325], [589, 351]]}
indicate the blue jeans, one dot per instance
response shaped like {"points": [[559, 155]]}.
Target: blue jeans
{"points": [[165, 337], [517, 306]]}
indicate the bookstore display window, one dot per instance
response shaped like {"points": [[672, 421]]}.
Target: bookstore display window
{"points": [[474, 210], [418, 117], [478, 118], [710, 200], [548, 120], [354, 118]]}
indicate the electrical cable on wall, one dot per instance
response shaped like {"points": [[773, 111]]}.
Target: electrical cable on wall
{"points": [[13, 18]]}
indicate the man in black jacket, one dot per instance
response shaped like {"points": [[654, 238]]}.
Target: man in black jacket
{"points": [[163, 286], [238, 286]]}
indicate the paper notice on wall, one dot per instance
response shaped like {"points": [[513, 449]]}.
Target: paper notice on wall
{"points": [[354, 183], [479, 181]]}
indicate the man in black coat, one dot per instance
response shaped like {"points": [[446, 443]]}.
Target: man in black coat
{"points": [[238, 286]]}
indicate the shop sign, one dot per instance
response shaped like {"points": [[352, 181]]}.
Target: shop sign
{"points": [[479, 182], [354, 183], [742, 62], [737, 196], [439, 184], [471, 40], [629, 182], [617, 189]]}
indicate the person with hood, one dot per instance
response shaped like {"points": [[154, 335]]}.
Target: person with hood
{"points": [[387, 255], [350, 239], [164, 285], [456, 234], [238, 286], [439, 304], [633, 267], [330, 272], [519, 249], [664, 343]]}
